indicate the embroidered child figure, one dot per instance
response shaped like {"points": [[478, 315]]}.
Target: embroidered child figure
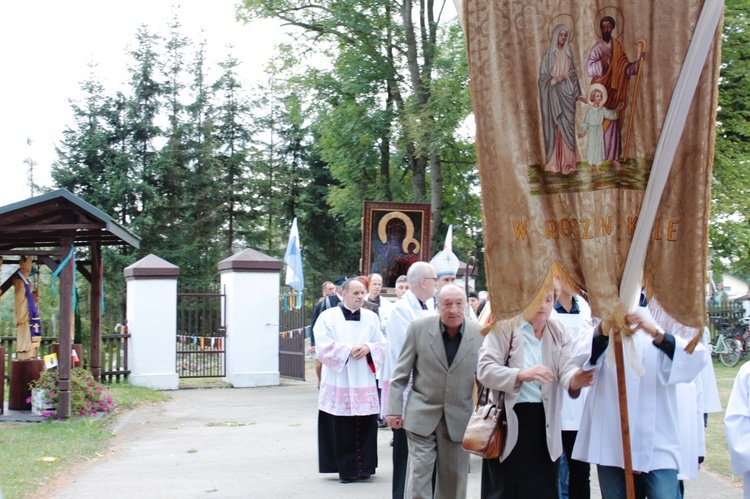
{"points": [[592, 125]]}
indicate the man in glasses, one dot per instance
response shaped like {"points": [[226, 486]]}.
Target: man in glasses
{"points": [[417, 302]]}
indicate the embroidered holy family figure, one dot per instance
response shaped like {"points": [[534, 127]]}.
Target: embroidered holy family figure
{"points": [[608, 70]]}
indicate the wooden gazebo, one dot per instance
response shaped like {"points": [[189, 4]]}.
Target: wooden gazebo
{"points": [[46, 227]]}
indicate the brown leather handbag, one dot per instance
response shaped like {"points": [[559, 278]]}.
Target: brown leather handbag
{"points": [[485, 433]]}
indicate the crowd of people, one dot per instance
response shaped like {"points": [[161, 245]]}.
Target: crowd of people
{"points": [[414, 363]]}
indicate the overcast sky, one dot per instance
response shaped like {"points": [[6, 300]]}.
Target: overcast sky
{"points": [[47, 44]]}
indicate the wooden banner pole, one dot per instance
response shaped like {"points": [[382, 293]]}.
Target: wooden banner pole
{"points": [[624, 421]]}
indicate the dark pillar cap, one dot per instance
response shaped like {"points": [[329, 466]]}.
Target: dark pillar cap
{"points": [[152, 267], [250, 260]]}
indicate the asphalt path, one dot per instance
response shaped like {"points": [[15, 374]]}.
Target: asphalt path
{"points": [[246, 443]]}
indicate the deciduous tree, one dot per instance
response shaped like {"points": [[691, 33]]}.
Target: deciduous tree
{"points": [[730, 225]]}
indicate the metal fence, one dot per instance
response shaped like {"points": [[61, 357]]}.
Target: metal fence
{"points": [[201, 333], [724, 316], [291, 337]]}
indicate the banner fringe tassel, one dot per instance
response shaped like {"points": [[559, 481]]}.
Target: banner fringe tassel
{"points": [[671, 325]]}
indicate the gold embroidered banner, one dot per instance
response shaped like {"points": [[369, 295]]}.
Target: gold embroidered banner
{"points": [[570, 100]]}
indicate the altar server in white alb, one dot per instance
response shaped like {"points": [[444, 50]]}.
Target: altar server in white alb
{"points": [[737, 422], [694, 400], [574, 312], [654, 363], [710, 401], [351, 347]]}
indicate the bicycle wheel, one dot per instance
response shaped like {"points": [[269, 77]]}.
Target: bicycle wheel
{"points": [[733, 353]]}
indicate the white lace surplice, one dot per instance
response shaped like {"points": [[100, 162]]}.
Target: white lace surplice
{"points": [[347, 386]]}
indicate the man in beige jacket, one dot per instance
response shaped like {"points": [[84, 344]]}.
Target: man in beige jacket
{"points": [[441, 352]]}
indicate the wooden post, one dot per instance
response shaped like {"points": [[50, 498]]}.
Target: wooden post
{"points": [[66, 330], [95, 360], [624, 420], [2, 379]]}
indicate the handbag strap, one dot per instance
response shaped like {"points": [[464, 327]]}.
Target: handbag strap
{"points": [[510, 347], [501, 394]]}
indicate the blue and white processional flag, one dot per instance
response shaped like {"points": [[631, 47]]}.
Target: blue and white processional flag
{"points": [[293, 260]]}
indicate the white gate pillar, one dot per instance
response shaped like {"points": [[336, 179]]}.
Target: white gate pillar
{"points": [[152, 323], [251, 280]]}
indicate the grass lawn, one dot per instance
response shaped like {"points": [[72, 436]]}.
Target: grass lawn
{"points": [[717, 452], [33, 454]]}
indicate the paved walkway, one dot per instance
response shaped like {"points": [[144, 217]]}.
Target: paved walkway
{"points": [[246, 443]]}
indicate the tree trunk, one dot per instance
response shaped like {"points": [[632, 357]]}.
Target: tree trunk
{"points": [[418, 176], [436, 189], [385, 162], [411, 54], [420, 80]]}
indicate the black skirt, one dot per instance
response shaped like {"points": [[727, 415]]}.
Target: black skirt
{"points": [[528, 471], [347, 445]]}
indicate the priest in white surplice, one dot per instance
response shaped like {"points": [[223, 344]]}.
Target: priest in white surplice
{"points": [[652, 406], [737, 422], [351, 347]]}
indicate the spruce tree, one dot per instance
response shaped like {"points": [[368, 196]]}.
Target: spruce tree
{"points": [[143, 108], [235, 178], [204, 229]]}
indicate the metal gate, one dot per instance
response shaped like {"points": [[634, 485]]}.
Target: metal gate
{"points": [[291, 337], [201, 333]]}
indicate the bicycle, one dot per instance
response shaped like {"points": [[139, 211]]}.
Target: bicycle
{"points": [[727, 348], [743, 335]]}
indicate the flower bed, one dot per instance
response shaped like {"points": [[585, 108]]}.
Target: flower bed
{"points": [[87, 397]]}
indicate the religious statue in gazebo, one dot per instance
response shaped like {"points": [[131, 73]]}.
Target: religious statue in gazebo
{"points": [[28, 324]]}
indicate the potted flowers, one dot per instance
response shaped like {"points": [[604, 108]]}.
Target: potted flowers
{"points": [[43, 400]]}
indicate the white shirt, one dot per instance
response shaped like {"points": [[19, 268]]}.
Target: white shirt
{"points": [[531, 391]]}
